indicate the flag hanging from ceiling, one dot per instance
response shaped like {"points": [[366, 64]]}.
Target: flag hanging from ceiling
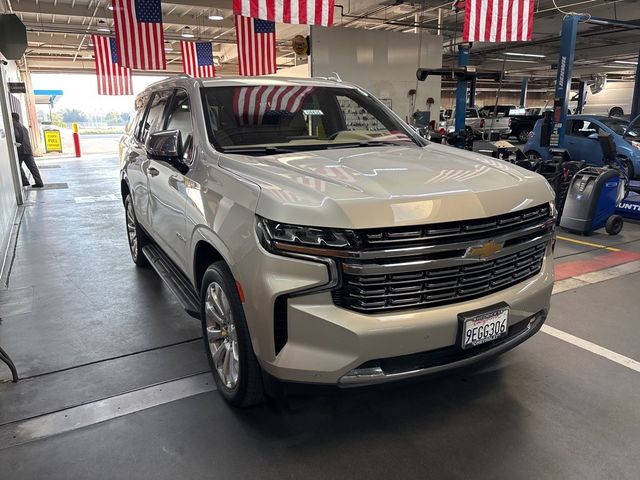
{"points": [[113, 79], [197, 59], [498, 20], [266, 105], [139, 34], [310, 12], [256, 40]]}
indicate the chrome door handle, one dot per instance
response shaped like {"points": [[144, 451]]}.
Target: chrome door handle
{"points": [[154, 172]]}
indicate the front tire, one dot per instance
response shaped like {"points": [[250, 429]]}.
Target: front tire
{"points": [[614, 224], [136, 236], [227, 341], [523, 136]]}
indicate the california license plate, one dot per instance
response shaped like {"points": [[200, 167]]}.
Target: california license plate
{"points": [[484, 327]]}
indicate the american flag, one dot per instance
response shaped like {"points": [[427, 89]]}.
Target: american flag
{"points": [[311, 12], [260, 104], [498, 20], [139, 34], [113, 79], [256, 40], [197, 59]]}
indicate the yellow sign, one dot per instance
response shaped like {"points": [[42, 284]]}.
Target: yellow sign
{"points": [[52, 141]]}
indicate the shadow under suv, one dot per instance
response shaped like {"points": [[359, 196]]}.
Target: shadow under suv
{"points": [[320, 240]]}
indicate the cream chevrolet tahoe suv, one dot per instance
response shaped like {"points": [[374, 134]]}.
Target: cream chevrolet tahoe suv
{"points": [[320, 240]]}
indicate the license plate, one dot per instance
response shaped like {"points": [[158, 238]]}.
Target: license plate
{"points": [[484, 327]]}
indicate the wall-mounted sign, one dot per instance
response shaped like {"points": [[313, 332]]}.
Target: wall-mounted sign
{"points": [[52, 141], [300, 45], [17, 87]]}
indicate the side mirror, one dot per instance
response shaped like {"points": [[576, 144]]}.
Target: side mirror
{"points": [[593, 136], [165, 146]]}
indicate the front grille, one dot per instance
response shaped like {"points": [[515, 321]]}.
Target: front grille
{"points": [[427, 278], [443, 233]]}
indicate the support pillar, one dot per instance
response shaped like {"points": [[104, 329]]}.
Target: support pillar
{"points": [[582, 96]]}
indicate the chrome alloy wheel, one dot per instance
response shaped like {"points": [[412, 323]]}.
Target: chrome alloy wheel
{"points": [[221, 335], [132, 230]]}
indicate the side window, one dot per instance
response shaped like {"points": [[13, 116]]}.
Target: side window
{"points": [[154, 118], [141, 110], [582, 128], [179, 118]]}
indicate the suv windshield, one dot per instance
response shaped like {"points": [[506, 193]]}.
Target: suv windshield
{"points": [[633, 129], [280, 118]]}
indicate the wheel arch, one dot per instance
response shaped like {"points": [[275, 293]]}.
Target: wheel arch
{"points": [[124, 189], [207, 249]]}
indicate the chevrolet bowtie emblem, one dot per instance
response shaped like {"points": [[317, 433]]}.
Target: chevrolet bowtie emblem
{"points": [[484, 251]]}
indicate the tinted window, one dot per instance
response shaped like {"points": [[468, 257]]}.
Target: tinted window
{"points": [[618, 125], [582, 128], [179, 118], [154, 118]]}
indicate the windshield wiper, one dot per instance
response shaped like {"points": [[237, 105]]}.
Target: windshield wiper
{"points": [[257, 150], [365, 143]]}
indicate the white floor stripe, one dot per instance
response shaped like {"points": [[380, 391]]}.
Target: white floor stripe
{"points": [[593, 348], [91, 413]]}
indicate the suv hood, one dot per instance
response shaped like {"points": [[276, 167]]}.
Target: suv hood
{"points": [[385, 186]]}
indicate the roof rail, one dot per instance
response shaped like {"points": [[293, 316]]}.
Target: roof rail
{"points": [[335, 76]]}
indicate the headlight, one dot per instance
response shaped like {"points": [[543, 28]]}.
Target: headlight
{"points": [[635, 144], [553, 211], [286, 238]]}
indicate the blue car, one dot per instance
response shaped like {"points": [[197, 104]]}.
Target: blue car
{"points": [[581, 140]]}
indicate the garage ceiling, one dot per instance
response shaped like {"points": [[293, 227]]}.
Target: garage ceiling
{"points": [[59, 33]]}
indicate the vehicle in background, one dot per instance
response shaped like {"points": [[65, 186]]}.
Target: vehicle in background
{"points": [[472, 120], [613, 100], [581, 141], [320, 240], [522, 125], [498, 119]]}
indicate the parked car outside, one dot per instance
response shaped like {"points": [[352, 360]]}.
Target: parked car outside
{"points": [[581, 140], [320, 240]]}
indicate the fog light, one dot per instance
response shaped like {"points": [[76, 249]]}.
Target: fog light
{"points": [[357, 373]]}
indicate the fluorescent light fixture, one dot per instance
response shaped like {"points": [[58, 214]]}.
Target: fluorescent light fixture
{"points": [[103, 27], [532, 55], [187, 33], [215, 17], [110, 7], [168, 47], [625, 62]]}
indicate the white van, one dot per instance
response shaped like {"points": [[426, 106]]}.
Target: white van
{"points": [[614, 100]]}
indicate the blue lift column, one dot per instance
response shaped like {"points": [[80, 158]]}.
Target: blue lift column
{"points": [[563, 79], [524, 85], [461, 89], [582, 96]]}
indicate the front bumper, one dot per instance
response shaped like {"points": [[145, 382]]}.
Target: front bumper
{"points": [[326, 343]]}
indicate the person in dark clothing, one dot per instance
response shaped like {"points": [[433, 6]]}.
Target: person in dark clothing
{"points": [[25, 153]]}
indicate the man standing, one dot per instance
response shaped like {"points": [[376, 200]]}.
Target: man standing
{"points": [[25, 153]]}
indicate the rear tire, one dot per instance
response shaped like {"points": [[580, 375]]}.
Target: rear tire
{"points": [[136, 236], [227, 341], [614, 224], [616, 112]]}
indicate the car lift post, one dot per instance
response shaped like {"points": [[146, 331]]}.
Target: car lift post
{"points": [[563, 79], [635, 105], [582, 96], [524, 85], [461, 89], [565, 67]]}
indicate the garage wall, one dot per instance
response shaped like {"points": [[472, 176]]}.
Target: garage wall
{"points": [[384, 63], [8, 202]]}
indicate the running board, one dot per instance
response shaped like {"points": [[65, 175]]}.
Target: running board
{"points": [[173, 278]]}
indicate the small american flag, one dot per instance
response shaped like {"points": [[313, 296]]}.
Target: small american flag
{"points": [[256, 40], [498, 20], [197, 59], [310, 12], [113, 79], [139, 34], [267, 104]]}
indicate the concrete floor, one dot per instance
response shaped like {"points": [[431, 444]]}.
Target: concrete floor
{"points": [[84, 327]]}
